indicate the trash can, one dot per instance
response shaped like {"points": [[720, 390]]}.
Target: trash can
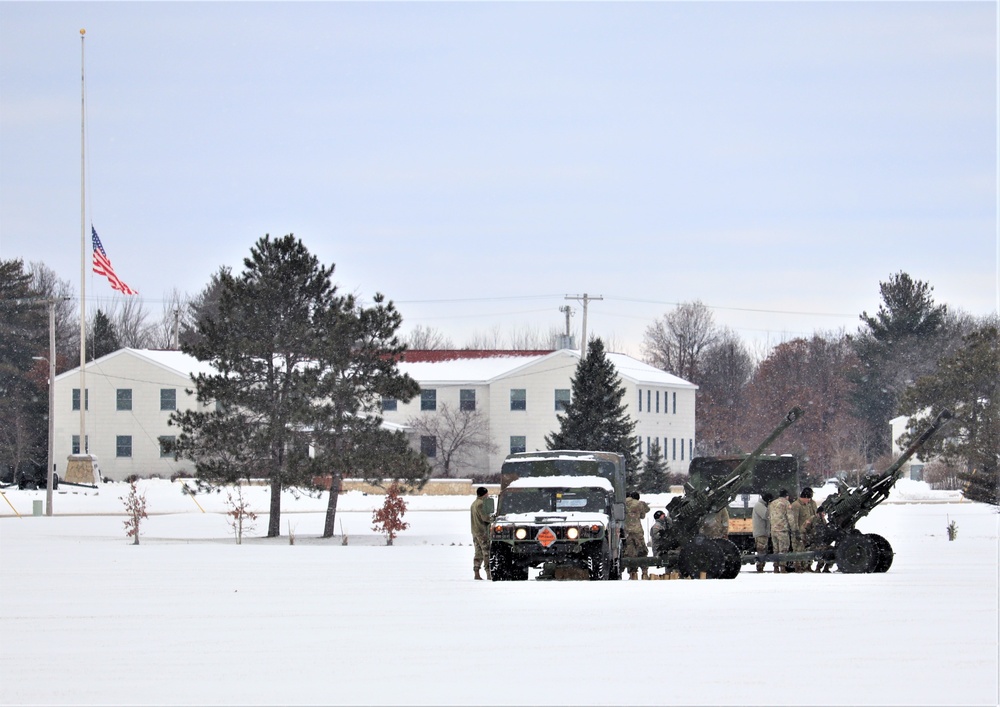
{"points": [[36, 507]]}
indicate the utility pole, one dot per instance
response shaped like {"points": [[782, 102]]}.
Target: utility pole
{"points": [[585, 298], [568, 311], [177, 329]]}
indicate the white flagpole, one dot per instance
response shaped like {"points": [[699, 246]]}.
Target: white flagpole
{"points": [[83, 252]]}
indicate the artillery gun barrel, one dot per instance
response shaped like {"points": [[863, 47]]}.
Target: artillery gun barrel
{"points": [[844, 509], [728, 489], [687, 511]]}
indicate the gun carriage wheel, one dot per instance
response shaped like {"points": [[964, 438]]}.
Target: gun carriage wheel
{"points": [[883, 553], [702, 555], [731, 558], [856, 554]]}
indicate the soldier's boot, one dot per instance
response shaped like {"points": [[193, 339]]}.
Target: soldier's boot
{"points": [[633, 574], [645, 573], [477, 574], [760, 566]]}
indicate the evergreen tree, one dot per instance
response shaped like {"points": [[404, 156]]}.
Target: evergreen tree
{"points": [[968, 384], [298, 372], [894, 347], [105, 337], [654, 477], [596, 418], [23, 381]]}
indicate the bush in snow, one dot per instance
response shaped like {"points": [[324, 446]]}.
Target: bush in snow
{"points": [[239, 514], [135, 507], [389, 518], [952, 530]]}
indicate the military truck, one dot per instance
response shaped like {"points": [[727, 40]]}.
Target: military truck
{"points": [[556, 510], [770, 473]]}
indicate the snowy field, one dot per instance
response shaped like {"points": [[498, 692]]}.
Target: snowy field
{"points": [[190, 617]]}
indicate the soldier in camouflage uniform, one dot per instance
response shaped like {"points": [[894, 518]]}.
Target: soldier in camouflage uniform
{"points": [[658, 533], [817, 536], [761, 527], [715, 525], [481, 533], [635, 542], [782, 524], [802, 510]]}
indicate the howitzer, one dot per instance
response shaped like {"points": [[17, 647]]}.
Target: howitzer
{"points": [[857, 552], [680, 546]]}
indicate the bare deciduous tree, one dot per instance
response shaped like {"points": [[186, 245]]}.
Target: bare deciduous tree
{"points": [[425, 338], [676, 341], [460, 435]]}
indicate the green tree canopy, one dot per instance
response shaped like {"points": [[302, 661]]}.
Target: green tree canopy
{"points": [[967, 383], [296, 367], [596, 418]]}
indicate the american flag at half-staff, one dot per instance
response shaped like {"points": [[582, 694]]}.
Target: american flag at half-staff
{"points": [[102, 266]]}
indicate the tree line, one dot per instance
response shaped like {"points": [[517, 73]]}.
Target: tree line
{"points": [[312, 364]]}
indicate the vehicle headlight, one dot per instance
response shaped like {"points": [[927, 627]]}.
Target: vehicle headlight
{"points": [[521, 533], [572, 533]]}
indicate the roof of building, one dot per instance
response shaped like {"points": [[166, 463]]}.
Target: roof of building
{"points": [[437, 366], [463, 366]]}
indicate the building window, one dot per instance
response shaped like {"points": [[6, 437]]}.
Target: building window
{"points": [[167, 443], [517, 444], [389, 404], [690, 449], [649, 446], [168, 398], [674, 452], [640, 399], [467, 399], [428, 446], [123, 446], [123, 400], [682, 450], [75, 446], [649, 397], [518, 399], [562, 398], [76, 398], [428, 400], [657, 401]]}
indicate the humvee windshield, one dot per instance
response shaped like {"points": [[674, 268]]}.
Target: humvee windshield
{"points": [[553, 500]]}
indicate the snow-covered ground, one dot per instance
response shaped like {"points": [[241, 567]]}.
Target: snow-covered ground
{"points": [[190, 617]]}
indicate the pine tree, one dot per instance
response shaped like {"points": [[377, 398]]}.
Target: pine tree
{"points": [[968, 384], [896, 345], [653, 478], [596, 419], [104, 339]]}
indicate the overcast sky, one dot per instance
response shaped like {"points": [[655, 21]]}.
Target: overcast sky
{"points": [[476, 162]]}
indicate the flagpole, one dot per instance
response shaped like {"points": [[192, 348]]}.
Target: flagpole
{"points": [[83, 251]]}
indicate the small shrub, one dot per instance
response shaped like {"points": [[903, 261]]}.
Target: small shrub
{"points": [[131, 478], [135, 507], [952, 530], [240, 516], [389, 518]]}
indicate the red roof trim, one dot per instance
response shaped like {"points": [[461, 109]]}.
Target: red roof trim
{"points": [[437, 355]]}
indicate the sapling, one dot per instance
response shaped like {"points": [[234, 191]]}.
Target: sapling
{"points": [[135, 508], [240, 516], [952, 530], [389, 518]]}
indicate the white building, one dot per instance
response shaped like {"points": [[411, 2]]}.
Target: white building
{"points": [[521, 394], [131, 394]]}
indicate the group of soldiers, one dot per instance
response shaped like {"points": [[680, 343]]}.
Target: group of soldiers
{"points": [[778, 524], [796, 526]]}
